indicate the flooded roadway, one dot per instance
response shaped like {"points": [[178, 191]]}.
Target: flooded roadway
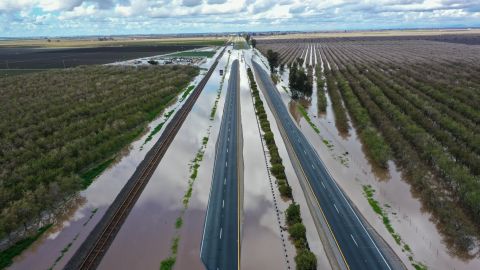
{"points": [[59, 243]]}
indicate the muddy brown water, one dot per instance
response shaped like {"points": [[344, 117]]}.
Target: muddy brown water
{"points": [[262, 238], [146, 237], [73, 227], [407, 215]]}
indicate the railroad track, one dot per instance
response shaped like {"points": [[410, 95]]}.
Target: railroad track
{"points": [[92, 250]]}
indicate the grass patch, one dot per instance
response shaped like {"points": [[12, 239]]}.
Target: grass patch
{"points": [[168, 263], [419, 266], [91, 174], [6, 256], [178, 223], [305, 115], [208, 54], [94, 211], [368, 191], [187, 92], [63, 251]]}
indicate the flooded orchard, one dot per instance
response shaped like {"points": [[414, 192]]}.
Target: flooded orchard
{"points": [[346, 160], [82, 213]]}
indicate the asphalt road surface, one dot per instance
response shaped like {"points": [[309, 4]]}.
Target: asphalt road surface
{"points": [[357, 246], [219, 248]]}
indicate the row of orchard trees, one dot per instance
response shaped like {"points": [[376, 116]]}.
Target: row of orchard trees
{"points": [[441, 167], [59, 126], [421, 112]]}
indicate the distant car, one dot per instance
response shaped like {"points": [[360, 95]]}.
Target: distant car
{"points": [[221, 72]]}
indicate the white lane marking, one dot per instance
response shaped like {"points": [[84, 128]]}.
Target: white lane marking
{"points": [[350, 236], [323, 185], [313, 167], [304, 152], [227, 150], [225, 181], [336, 208], [358, 219], [226, 163], [223, 203], [221, 233]]}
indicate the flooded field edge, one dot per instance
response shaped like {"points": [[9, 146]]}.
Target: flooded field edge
{"points": [[56, 246], [422, 245]]}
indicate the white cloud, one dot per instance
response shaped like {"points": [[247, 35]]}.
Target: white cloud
{"points": [[120, 16], [58, 5], [79, 12]]}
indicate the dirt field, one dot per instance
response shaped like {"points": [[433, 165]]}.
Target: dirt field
{"points": [[94, 42], [412, 34], [42, 58]]}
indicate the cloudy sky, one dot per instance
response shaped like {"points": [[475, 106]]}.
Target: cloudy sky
{"points": [[104, 17]]}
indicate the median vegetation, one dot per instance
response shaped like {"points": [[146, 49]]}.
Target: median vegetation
{"points": [[305, 259], [277, 169], [62, 128]]}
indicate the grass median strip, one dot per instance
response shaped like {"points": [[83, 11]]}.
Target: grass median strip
{"points": [[304, 258]]}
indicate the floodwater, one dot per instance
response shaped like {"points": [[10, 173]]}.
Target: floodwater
{"points": [[264, 244], [313, 238], [353, 170], [146, 237], [83, 212]]}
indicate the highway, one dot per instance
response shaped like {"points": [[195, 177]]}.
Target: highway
{"points": [[220, 243], [357, 247]]}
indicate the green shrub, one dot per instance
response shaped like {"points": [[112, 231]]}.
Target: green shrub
{"points": [[293, 214], [285, 191], [306, 260], [297, 231]]}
